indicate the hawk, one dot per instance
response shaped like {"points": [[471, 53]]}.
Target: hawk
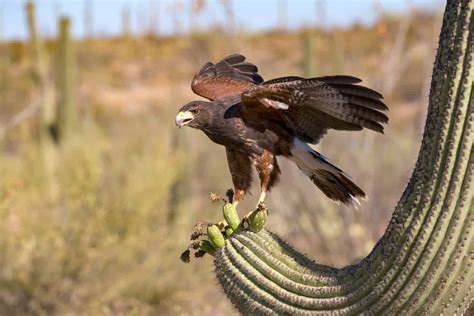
{"points": [[257, 120]]}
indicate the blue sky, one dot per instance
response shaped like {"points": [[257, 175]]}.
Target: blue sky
{"points": [[252, 15]]}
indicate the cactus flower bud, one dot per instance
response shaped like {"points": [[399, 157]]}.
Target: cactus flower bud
{"points": [[257, 220], [215, 237], [228, 231], [207, 247], [231, 216]]}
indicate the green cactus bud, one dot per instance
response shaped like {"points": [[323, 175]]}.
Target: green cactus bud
{"points": [[231, 216], [215, 237], [228, 231], [207, 247], [257, 220]]}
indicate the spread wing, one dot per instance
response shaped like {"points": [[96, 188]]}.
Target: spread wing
{"points": [[230, 76], [310, 107]]}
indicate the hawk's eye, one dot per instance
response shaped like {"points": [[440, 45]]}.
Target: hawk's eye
{"points": [[194, 111]]}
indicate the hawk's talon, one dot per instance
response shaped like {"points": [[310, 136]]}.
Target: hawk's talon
{"points": [[208, 237], [246, 221], [230, 196], [261, 206]]}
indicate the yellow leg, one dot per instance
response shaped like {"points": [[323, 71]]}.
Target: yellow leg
{"points": [[262, 198]]}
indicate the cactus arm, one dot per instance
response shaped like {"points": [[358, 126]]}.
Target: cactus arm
{"points": [[423, 263]]}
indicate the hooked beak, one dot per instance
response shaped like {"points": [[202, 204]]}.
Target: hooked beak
{"points": [[183, 118]]}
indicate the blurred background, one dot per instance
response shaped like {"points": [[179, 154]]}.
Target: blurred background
{"points": [[99, 191]]}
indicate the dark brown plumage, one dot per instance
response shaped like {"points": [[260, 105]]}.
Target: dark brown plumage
{"points": [[257, 121]]}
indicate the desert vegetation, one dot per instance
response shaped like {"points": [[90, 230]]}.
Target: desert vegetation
{"points": [[99, 190]]}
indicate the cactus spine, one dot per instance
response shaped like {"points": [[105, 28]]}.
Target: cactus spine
{"points": [[423, 263]]}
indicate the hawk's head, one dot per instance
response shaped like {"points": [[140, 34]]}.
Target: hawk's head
{"points": [[195, 114]]}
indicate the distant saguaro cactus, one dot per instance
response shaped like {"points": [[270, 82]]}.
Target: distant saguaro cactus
{"points": [[89, 18], [423, 263], [309, 42], [282, 15], [40, 74], [67, 112], [126, 28], [154, 28], [47, 102], [180, 188]]}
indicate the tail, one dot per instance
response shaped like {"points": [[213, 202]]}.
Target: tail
{"points": [[328, 178]]}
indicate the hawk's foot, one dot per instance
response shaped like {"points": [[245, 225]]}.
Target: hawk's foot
{"points": [[207, 238], [262, 206], [256, 219]]}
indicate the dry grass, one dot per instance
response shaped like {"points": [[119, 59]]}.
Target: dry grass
{"points": [[104, 237]]}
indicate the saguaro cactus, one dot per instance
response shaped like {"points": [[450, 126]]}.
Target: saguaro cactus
{"points": [[47, 101], [423, 263], [309, 42], [40, 73], [126, 22], [67, 116], [89, 18]]}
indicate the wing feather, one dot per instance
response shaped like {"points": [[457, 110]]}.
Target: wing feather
{"points": [[283, 79], [311, 106], [341, 79], [357, 90], [230, 76], [234, 59]]}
